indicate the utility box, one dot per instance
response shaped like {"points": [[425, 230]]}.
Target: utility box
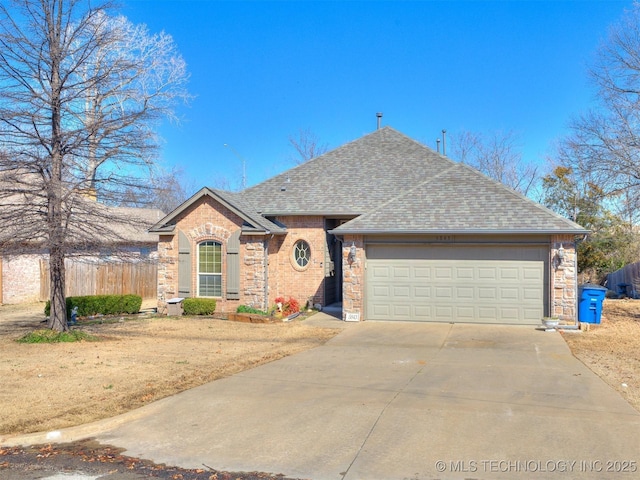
{"points": [[591, 298], [174, 307]]}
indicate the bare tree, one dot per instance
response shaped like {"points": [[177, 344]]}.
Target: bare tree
{"points": [[168, 189], [80, 94], [307, 146], [498, 156], [605, 141]]}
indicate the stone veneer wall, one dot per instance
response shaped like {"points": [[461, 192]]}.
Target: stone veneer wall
{"points": [[353, 277], [252, 273], [167, 270], [564, 278]]}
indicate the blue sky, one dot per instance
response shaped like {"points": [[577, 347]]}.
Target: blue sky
{"points": [[261, 71]]}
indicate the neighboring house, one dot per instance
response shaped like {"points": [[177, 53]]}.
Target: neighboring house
{"points": [[128, 266], [385, 225]]}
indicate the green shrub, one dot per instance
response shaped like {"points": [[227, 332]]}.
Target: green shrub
{"points": [[50, 336], [199, 306], [248, 309], [101, 304]]}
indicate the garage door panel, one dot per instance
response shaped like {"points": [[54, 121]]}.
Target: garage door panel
{"points": [[421, 292], [381, 310], [421, 272], [460, 288], [509, 273], [444, 312], [487, 313], [381, 272], [465, 273], [422, 312], [443, 273], [401, 272], [465, 292], [465, 314], [487, 273], [402, 291], [445, 293], [509, 313], [381, 291], [509, 293], [402, 312]]}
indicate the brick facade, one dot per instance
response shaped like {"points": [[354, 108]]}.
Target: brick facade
{"points": [[286, 279], [203, 221], [209, 220], [21, 278]]}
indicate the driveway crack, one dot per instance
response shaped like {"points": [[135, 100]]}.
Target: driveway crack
{"points": [[393, 399]]}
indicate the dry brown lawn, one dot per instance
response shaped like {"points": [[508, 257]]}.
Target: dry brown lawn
{"points": [[51, 386], [612, 349]]}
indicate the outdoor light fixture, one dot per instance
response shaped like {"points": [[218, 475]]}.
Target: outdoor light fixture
{"points": [[561, 253], [352, 253]]}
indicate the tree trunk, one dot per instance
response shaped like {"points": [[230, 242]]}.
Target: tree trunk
{"points": [[58, 318]]}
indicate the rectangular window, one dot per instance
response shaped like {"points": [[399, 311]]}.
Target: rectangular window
{"points": [[209, 269]]}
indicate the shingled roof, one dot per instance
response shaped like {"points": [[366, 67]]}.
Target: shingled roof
{"points": [[460, 200], [386, 182], [350, 180]]}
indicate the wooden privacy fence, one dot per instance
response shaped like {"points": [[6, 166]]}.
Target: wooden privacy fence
{"points": [[627, 275], [113, 278]]}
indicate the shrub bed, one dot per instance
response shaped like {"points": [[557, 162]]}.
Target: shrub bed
{"points": [[199, 306], [101, 304]]}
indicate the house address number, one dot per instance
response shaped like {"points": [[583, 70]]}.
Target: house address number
{"points": [[352, 317]]}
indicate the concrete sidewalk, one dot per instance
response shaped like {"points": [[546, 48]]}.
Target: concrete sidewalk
{"points": [[387, 400]]}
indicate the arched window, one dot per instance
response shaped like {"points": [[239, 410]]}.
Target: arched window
{"points": [[209, 269]]}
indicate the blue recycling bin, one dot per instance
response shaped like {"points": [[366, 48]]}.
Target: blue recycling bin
{"points": [[590, 302]]}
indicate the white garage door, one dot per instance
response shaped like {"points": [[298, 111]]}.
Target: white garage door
{"points": [[456, 284]]}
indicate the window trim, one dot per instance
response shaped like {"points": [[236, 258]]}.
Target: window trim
{"points": [[294, 255], [207, 274]]}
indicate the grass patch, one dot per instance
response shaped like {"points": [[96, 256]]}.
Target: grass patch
{"points": [[51, 336], [247, 309]]}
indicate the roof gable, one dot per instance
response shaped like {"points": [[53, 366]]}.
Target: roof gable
{"points": [[254, 222]]}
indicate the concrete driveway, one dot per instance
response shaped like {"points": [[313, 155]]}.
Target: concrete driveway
{"points": [[390, 400]]}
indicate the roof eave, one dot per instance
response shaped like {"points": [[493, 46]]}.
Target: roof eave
{"points": [[310, 213], [339, 231]]}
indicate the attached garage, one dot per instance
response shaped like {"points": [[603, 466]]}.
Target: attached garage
{"points": [[457, 283]]}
